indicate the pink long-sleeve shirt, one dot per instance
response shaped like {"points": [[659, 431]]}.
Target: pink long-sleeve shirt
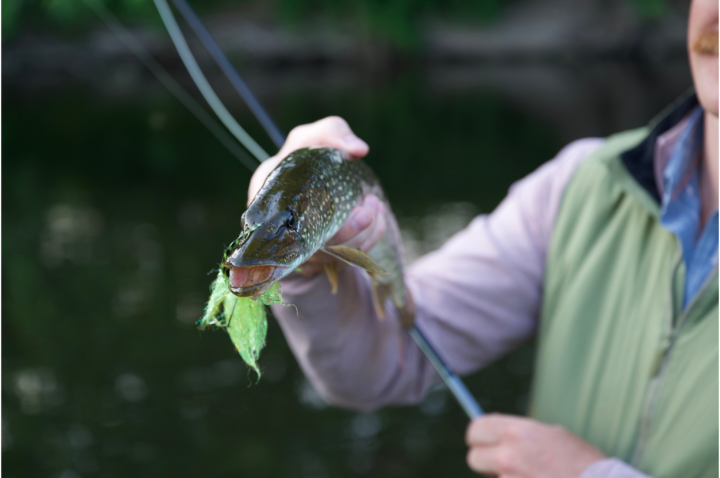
{"points": [[477, 297]]}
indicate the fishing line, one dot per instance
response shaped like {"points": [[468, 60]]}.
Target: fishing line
{"points": [[203, 85], [231, 73], [169, 82]]}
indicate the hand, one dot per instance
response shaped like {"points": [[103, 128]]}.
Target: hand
{"points": [[366, 224], [516, 447]]}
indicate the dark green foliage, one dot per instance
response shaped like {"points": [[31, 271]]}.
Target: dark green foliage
{"points": [[244, 319], [651, 8], [71, 17]]}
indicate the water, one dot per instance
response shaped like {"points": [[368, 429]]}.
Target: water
{"points": [[117, 204]]}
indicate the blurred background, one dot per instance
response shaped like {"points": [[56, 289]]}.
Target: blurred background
{"points": [[117, 204]]}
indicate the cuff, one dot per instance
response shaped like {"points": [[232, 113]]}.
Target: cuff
{"points": [[611, 468]]}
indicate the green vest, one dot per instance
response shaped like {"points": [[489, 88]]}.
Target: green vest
{"points": [[620, 363]]}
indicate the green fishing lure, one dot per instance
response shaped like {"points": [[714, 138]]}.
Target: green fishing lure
{"points": [[244, 319]]}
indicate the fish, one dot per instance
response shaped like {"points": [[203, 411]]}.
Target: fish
{"points": [[302, 204]]}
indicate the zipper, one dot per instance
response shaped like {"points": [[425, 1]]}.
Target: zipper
{"points": [[659, 367]]}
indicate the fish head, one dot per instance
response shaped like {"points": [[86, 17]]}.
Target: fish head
{"points": [[264, 253], [282, 228]]}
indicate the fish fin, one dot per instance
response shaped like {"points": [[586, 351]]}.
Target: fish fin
{"points": [[331, 271], [377, 303], [380, 294], [355, 257]]}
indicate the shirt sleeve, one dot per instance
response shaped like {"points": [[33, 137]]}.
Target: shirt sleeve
{"points": [[611, 468], [476, 298]]}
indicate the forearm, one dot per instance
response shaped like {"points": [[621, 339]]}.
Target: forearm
{"points": [[354, 359], [470, 303], [471, 300]]}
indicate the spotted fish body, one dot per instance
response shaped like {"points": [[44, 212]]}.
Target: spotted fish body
{"points": [[302, 204]]}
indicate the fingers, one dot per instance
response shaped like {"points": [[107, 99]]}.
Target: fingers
{"points": [[485, 430], [332, 132], [365, 227], [485, 460], [487, 438]]}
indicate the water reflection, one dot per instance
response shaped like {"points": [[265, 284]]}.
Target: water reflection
{"points": [[435, 401], [273, 367], [38, 390], [364, 443], [309, 397], [191, 216], [131, 387], [418, 443], [428, 232], [190, 308], [70, 235]]}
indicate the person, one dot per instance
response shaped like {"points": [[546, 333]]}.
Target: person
{"points": [[608, 253]]}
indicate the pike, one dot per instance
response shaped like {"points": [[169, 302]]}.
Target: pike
{"points": [[302, 204]]}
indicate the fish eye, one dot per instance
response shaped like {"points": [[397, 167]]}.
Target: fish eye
{"points": [[291, 222]]}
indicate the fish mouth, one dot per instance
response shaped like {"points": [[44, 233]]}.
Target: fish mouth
{"points": [[251, 281]]}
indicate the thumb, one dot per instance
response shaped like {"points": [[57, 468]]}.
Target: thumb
{"points": [[333, 132]]}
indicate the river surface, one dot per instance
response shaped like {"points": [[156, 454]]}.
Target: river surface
{"points": [[117, 204]]}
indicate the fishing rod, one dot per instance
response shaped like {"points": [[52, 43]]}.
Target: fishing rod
{"points": [[452, 381]]}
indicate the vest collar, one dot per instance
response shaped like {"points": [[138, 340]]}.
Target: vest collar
{"points": [[639, 161]]}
